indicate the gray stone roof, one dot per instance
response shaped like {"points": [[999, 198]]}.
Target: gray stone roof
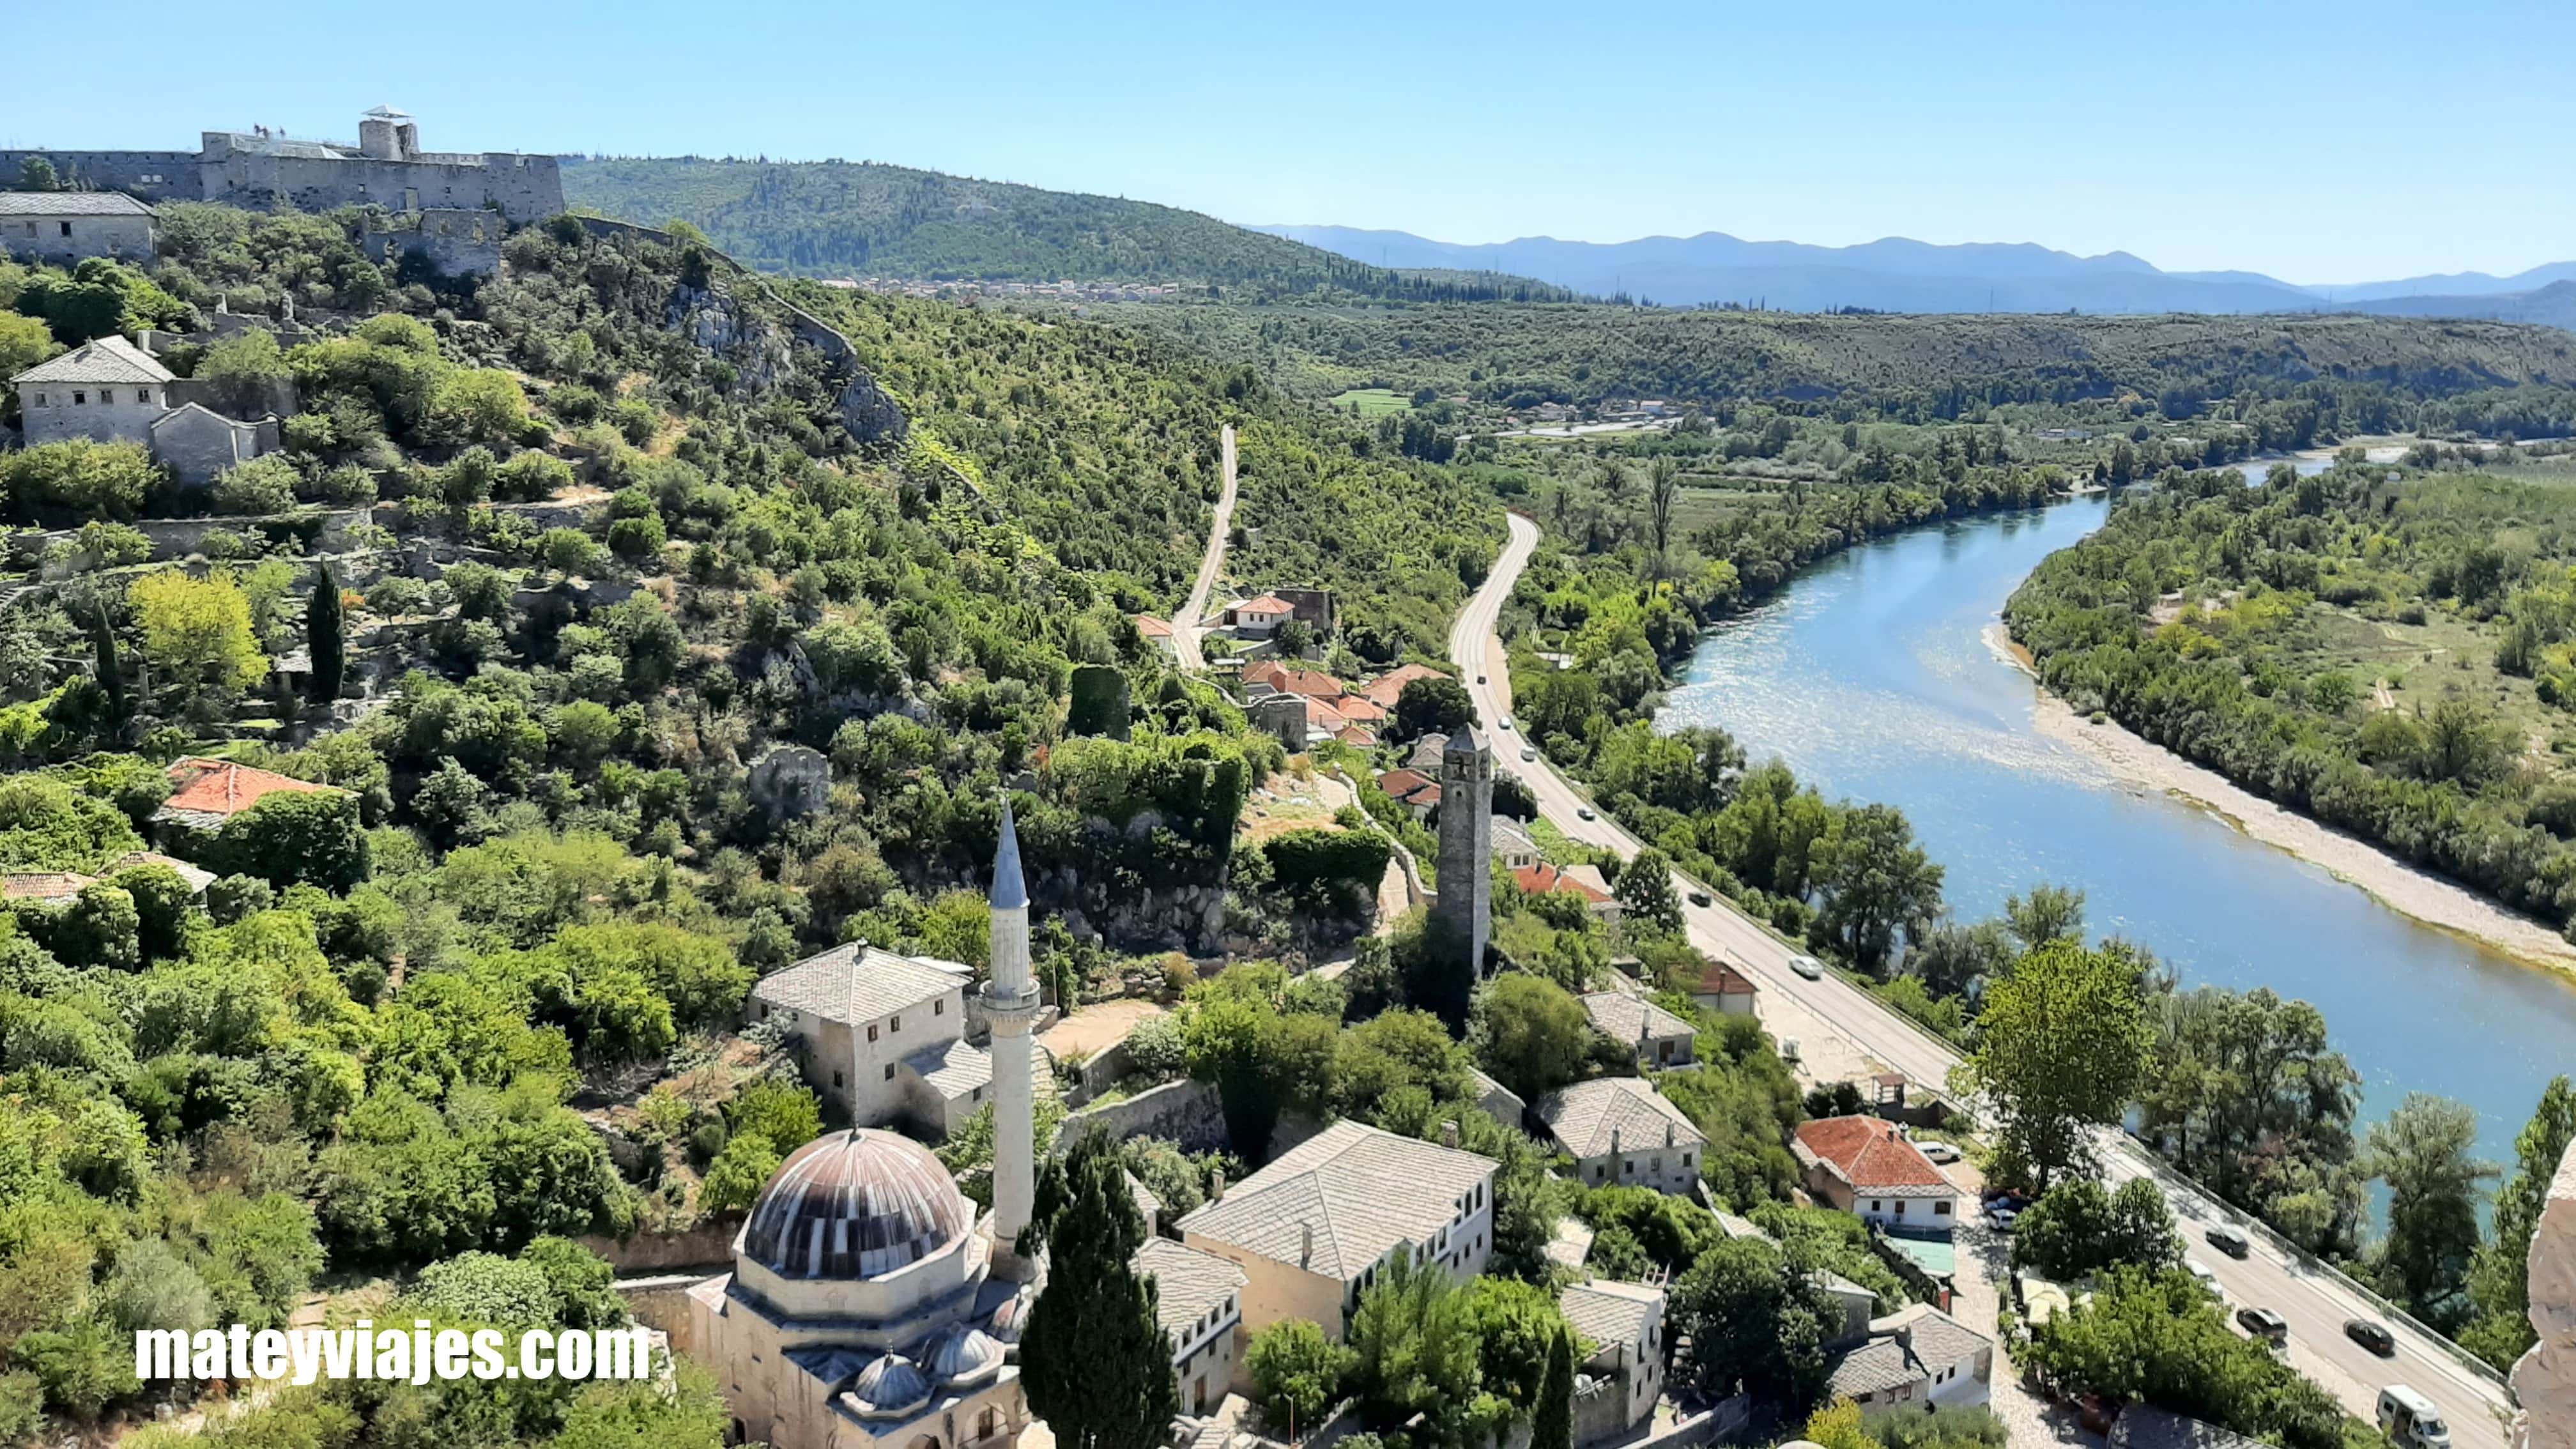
{"points": [[2143, 1427], [953, 1069], [1361, 1189], [1905, 1348], [70, 203], [109, 359], [1192, 1282], [853, 983], [1617, 1015], [1610, 1313], [1582, 1118]]}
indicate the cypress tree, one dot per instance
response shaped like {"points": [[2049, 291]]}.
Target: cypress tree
{"points": [[323, 639], [1552, 1417], [1093, 1359], [111, 675]]}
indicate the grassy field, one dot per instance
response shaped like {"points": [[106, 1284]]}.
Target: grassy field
{"points": [[1373, 402]]}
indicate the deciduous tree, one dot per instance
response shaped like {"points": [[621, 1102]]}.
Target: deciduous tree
{"points": [[2062, 1043]]}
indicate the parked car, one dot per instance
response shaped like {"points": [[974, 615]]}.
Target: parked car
{"points": [[2002, 1218], [1808, 966], [2201, 1275], [2264, 1324], [2229, 1240], [2410, 1419], [2372, 1336], [1699, 898], [1938, 1151]]}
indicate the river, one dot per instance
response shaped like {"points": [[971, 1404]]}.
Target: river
{"points": [[1870, 674]]}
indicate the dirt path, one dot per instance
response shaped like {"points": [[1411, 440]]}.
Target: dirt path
{"points": [[1185, 627]]}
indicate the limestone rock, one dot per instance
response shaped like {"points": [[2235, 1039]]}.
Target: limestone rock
{"points": [[791, 780]]}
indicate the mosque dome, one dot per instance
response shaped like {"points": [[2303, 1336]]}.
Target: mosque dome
{"points": [[959, 1356], [855, 1205], [890, 1388], [1010, 1318]]}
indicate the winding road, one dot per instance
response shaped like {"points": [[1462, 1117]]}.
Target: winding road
{"points": [[1832, 1016], [1186, 625]]}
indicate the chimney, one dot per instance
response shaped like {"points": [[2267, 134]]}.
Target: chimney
{"points": [[1216, 1182], [1306, 1247], [1449, 1133]]}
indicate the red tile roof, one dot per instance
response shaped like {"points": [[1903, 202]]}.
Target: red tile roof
{"points": [[1869, 1153], [1387, 687], [1266, 604], [219, 787], [1720, 979], [1539, 879], [1361, 708], [1152, 628], [1356, 737], [1403, 784], [53, 885], [1312, 683], [1320, 715]]}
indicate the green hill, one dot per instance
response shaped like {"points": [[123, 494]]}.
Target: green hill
{"points": [[835, 218]]}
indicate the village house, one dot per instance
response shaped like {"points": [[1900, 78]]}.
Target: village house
{"points": [[206, 793], [42, 887], [1583, 880], [64, 227], [1200, 1307], [1723, 989], [1387, 688], [1624, 1322], [1514, 850], [883, 1033], [1158, 634], [1413, 790], [1259, 618], [1920, 1355], [1270, 676], [1622, 1133], [1865, 1166], [1660, 1038], [110, 390], [1313, 1230]]}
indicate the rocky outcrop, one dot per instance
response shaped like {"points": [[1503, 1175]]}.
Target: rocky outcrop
{"points": [[2545, 1379], [791, 780]]}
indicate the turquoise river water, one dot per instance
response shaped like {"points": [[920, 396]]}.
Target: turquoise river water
{"points": [[1873, 677]]}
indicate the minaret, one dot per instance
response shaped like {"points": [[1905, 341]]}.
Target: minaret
{"points": [[1011, 1004]]}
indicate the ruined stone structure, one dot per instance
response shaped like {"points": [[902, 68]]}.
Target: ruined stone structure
{"points": [[260, 168], [1465, 904], [2545, 1379]]}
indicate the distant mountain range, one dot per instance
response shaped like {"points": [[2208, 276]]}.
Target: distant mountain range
{"points": [[1898, 275]]}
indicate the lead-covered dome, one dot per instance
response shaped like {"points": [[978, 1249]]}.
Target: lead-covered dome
{"points": [[854, 1205], [890, 1388], [959, 1356]]}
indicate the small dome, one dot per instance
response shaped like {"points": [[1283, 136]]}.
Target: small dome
{"points": [[959, 1357], [890, 1388], [1010, 1319], [859, 1204]]}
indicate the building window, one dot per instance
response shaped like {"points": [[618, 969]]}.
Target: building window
{"points": [[976, 1096], [889, 1071], [939, 1008], [872, 1031], [40, 399], [894, 1023], [764, 1011], [1600, 1172], [1900, 1207], [1627, 1167], [836, 1079], [1940, 1209], [1656, 1164], [67, 228], [80, 399]]}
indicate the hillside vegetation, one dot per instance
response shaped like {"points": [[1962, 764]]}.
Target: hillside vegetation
{"points": [[844, 218]]}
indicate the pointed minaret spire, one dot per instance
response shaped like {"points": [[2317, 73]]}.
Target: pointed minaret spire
{"points": [[1011, 1005]]}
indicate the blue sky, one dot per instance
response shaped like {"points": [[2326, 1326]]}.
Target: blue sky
{"points": [[2320, 142]]}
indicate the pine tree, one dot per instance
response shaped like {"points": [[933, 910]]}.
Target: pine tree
{"points": [[1093, 1359], [1552, 1418], [323, 640]]}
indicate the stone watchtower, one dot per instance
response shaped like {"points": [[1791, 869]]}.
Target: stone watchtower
{"points": [[1467, 843], [1011, 1005]]}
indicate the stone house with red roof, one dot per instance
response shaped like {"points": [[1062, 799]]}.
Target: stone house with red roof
{"points": [[1864, 1166], [205, 793]]}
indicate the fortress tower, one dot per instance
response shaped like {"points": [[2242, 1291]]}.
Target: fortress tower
{"points": [[1011, 1005], [1467, 843]]}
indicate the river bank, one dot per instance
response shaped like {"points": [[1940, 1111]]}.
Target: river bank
{"points": [[2409, 890]]}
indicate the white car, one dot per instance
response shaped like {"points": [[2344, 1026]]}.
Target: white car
{"points": [[2002, 1218], [1808, 966], [1505, 721], [1938, 1151], [1528, 754], [2201, 1275]]}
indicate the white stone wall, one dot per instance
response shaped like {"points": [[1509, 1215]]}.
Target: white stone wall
{"points": [[1665, 1169], [872, 1086], [55, 412], [2545, 1379]]}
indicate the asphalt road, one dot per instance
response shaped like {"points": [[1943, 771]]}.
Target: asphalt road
{"points": [[1185, 625], [2316, 1302]]}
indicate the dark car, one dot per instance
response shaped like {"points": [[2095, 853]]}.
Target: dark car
{"points": [[2264, 1325], [1699, 898], [2372, 1336]]}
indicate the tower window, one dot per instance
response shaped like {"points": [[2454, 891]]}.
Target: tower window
{"points": [[836, 1079], [889, 1071]]}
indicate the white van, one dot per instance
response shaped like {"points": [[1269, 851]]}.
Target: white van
{"points": [[2409, 1418]]}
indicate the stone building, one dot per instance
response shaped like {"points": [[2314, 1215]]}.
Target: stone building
{"points": [[1621, 1132], [1625, 1324], [1661, 1039], [63, 227], [110, 390], [1465, 904], [868, 1307], [1199, 1302], [1314, 1228], [1864, 1166], [260, 168], [883, 1033]]}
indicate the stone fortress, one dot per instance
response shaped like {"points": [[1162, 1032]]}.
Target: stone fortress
{"points": [[262, 167]]}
